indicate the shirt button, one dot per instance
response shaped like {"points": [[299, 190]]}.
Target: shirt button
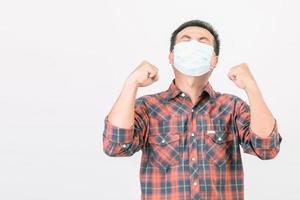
{"points": [[124, 145], [195, 183], [182, 94], [193, 134], [193, 159], [163, 141], [219, 139], [192, 110]]}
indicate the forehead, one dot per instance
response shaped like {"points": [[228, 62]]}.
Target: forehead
{"points": [[195, 32]]}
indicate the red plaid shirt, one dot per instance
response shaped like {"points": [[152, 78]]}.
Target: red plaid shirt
{"points": [[190, 152]]}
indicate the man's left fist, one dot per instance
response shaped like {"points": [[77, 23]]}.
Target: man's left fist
{"points": [[241, 76]]}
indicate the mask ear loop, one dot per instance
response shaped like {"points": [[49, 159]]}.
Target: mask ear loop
{"points": [[212, 67]]}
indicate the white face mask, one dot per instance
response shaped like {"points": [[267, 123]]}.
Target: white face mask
{"points": [[192, 58]]}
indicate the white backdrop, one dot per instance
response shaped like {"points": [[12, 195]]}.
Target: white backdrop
{"points": [[63, 63]]}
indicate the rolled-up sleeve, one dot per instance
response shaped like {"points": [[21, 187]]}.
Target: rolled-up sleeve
{"points": [[125, 142], [264, 148]]}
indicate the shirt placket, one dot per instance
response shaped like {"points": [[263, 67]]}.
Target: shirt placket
{"points": [[193, 155]]}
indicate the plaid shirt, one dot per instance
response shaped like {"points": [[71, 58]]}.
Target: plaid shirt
{"points": [[190, 152]]}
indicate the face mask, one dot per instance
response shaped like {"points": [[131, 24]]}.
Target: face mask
{"points": [[192, 58]]}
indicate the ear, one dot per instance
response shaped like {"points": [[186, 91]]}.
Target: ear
{"points": [[214, 61], [171, 58]]}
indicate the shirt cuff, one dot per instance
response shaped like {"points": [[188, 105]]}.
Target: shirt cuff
{"points": [[116, 134], [270, 142]]}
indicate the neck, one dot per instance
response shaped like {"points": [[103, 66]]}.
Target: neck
{"points": [[192, 86]]}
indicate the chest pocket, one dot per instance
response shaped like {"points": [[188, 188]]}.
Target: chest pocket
{"points": [[164, 150], [219, 146]]}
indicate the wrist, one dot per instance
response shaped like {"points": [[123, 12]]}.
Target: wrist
{"points": [[250, 85], [131, 84], [252, 88]]}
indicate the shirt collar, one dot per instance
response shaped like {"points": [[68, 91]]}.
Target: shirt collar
{"points": [[174, 91]]}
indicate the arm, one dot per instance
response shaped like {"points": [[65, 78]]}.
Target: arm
{"points": [[122, 112], [256, 125], [262, 120], [126, 125]]}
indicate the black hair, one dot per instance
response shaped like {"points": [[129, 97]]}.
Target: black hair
{"points": [[201, 24]]}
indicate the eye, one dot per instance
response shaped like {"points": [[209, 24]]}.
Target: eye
{"points": [[185, 38], [204, 40]]}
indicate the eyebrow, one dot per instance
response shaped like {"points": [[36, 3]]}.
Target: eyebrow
{"points": [[201, 38], [185, 36]]}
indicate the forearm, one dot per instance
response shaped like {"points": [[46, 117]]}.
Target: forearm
{"points": [[122, 112], [262, 120]]}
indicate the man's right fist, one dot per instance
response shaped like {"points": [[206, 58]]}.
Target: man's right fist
{"points": [[145, 74]]}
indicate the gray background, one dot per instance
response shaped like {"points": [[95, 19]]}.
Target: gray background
{"points": [[63, 63]]}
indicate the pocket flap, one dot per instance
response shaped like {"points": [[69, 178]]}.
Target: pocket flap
{"points": [[163, 139], [220, 137]]}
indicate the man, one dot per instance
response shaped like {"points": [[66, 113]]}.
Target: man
{"points": [[190, 135]]}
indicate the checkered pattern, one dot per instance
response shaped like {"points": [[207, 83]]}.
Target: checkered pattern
{"points": [[190, 153]]}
